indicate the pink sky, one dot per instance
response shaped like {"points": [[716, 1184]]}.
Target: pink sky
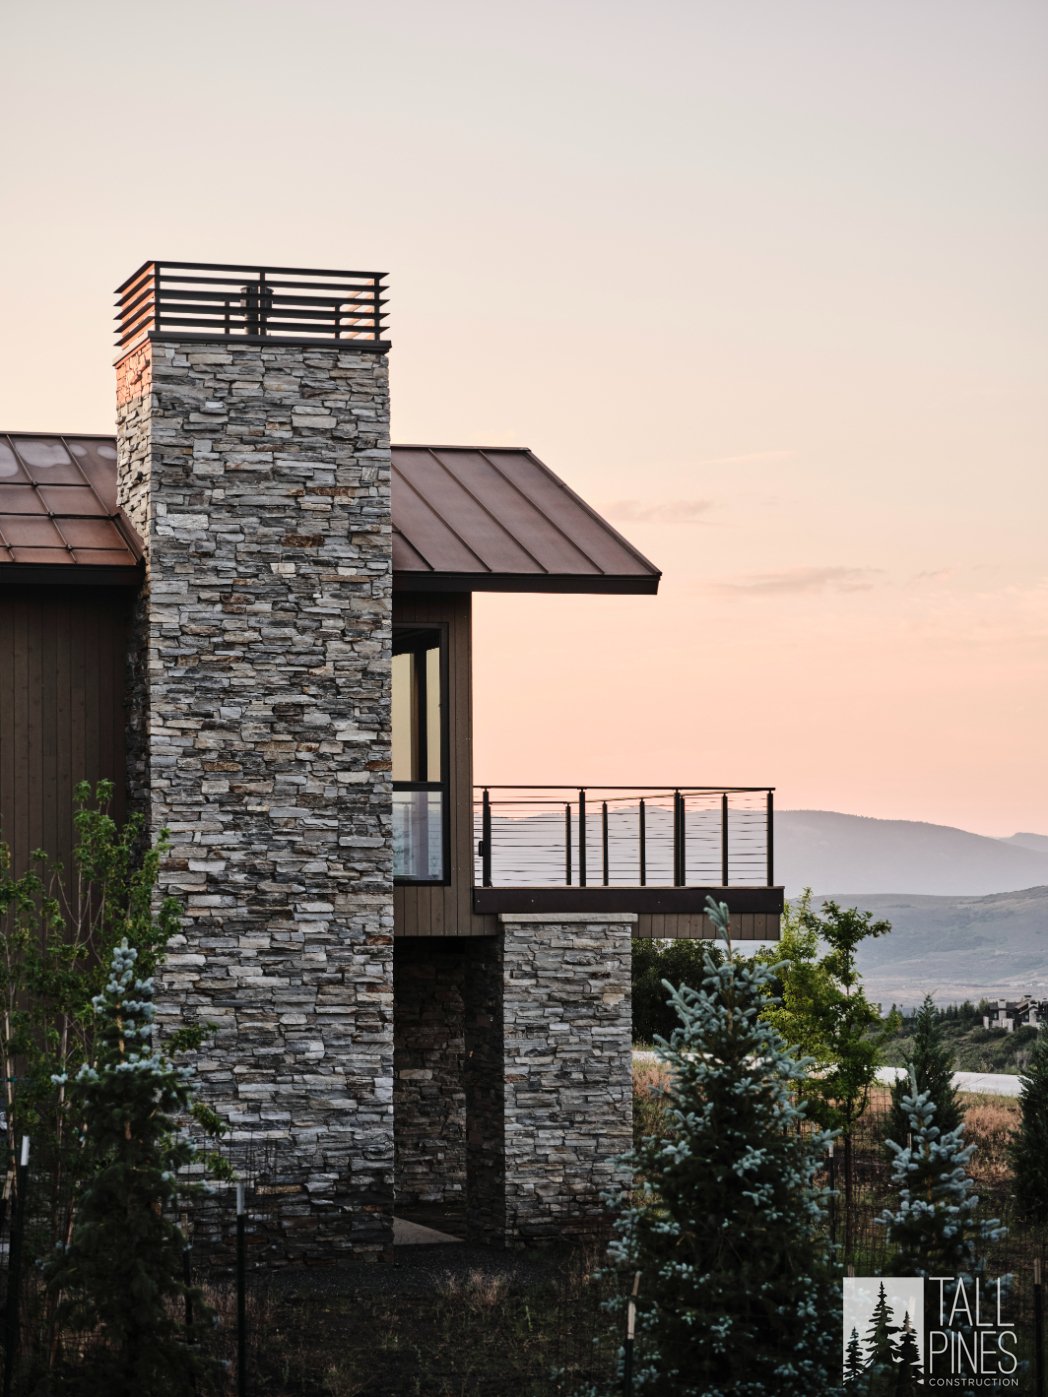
{"points": [[763, 281]]}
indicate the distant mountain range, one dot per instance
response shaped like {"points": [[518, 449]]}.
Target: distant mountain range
{"points": [[969, 914], [955, 948], [822, 849]]}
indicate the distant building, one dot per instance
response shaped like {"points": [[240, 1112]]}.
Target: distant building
{"points": [[1010, 1014]]}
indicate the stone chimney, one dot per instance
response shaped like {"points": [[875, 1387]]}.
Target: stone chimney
{"points": [[254, 460]]}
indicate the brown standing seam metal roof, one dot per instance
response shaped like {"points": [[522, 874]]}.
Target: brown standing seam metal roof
{"points": [[58, 509], [465, 518], [473, 518]]}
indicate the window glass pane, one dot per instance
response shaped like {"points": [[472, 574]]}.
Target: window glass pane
{"points": [[403, 744], [432, 717], [418, 834]]}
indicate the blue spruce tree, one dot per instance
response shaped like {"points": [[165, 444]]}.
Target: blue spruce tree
{"points": [[120, 1277], [739, 1296], [936, 1230]]}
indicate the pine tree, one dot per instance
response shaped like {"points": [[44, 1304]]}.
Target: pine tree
{"points": [[1029, 1150], [854, 1360], [932, 1064], [908, 1373], [726, 1226], [121, 1273], [880, 1343], [935, 1229]]}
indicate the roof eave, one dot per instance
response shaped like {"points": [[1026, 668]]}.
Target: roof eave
{"points": [[641, 585]]}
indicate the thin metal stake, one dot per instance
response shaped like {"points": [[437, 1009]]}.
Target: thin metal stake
{"points": [[14, 1270], [833, 1194], [187, 1278], [631, 1329], [241, 1295], [1038, 1329]]}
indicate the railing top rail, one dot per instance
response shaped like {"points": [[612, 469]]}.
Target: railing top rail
{"points": [[667, 787]]}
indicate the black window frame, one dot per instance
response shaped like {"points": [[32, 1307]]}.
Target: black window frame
{"points": [[441, 630]]}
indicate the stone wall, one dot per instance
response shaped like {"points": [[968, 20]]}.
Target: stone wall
{"points": [[568, 1074], [259, 478]]}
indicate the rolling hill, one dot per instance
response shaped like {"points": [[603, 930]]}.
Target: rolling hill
{"points": [[822, 849]]}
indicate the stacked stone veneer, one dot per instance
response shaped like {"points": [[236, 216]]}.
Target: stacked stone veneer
{"points": [[258, 475], [567, 1061]]}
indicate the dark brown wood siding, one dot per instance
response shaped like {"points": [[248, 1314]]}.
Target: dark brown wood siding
{"points": [[63, 656], [425, 910]]}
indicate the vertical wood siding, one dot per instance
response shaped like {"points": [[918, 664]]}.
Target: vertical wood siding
{"points": [[63, 655]]}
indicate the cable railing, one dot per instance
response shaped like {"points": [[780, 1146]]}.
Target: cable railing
{"points": [[623, 836], [213, 299]]}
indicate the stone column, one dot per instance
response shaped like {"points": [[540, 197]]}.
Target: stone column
{"points": [[568, 1074], [258, 475]]}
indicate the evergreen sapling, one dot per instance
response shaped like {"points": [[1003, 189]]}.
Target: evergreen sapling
{"points": [[121, 1274], [738, 1296], [1029, 1149], [935, 1229], [932, 1065]]}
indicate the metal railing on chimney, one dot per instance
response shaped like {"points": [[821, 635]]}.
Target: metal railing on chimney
{"points": [[217, 300]]}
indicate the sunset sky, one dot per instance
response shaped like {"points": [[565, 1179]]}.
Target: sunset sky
{"points": [[763, 280]]}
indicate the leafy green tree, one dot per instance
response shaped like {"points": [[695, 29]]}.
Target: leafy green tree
{"points": [[935, 1230], [58, 929], [738, 1295], [824, 1014], [120, 1276], [682, 962], [1029, 1148], [932, 1064]]}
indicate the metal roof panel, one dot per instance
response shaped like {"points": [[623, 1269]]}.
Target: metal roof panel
{"points": [[464, 517]]}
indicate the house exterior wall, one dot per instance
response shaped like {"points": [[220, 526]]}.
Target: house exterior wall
{"points": [[258, 475], [62, 709]]}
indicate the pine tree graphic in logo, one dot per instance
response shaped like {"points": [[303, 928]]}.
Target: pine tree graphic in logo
{"points": [[888, 1359]]}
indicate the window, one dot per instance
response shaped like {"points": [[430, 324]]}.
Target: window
{"points": [[420, 756]]}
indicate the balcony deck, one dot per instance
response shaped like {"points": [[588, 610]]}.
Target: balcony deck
{"points": [[657, 851]]}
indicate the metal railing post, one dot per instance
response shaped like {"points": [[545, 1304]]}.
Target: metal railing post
{"points": [[485, 839], [643, 846], [262, 303], [567, 843], [582, 837], [769, 839], [604, 837], [676, 839], [156, 296], [724, 840]]}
